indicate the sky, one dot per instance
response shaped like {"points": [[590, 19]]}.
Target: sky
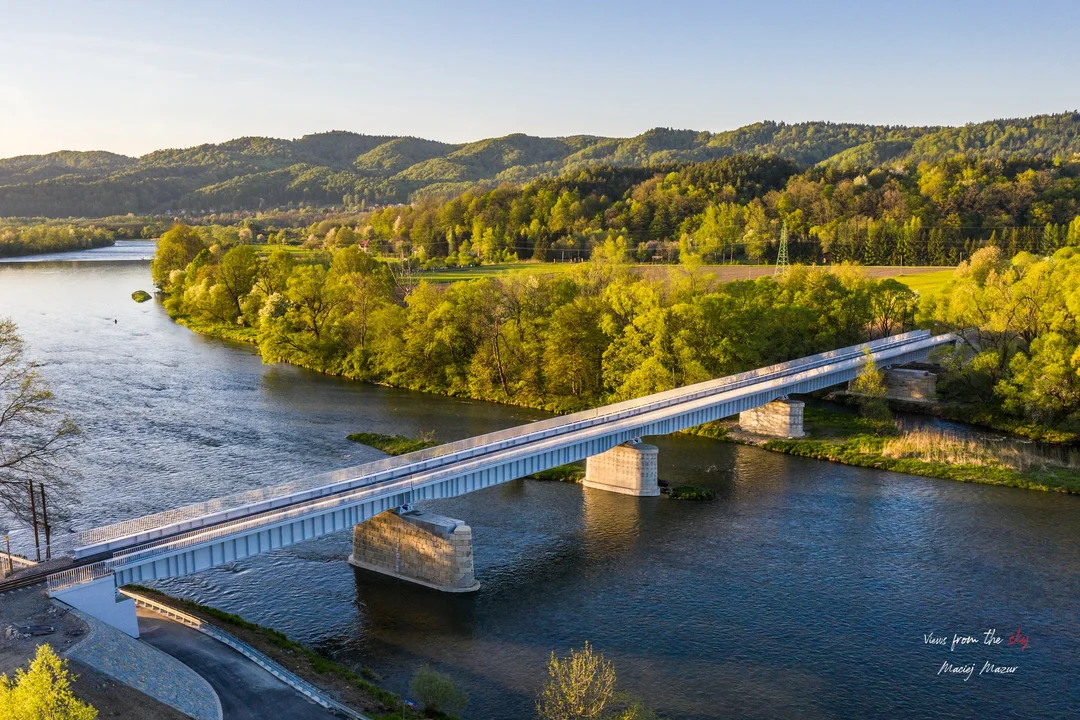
{"points": [[132, 77]]}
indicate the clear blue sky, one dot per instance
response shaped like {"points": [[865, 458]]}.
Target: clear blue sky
{"points": [[136, 76]]}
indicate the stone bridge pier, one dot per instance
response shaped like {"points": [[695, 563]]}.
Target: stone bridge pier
{"points": [[629, 469], [780, 418], [419, 547]]}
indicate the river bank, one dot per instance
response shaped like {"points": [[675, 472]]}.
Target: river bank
{"points": [[798, 554], [832, 436], [849, 439]]}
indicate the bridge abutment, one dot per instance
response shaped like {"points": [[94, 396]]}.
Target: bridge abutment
{"points": [[430, 550], [909, 384], [99, 599], [779, 418], [628, 469]]}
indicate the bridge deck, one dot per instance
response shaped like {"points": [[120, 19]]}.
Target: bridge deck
{"points": [[245, 504], [184, 541]]}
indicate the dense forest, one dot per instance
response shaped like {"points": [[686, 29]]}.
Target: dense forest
{"points": [[601, 333], [350, 170], [737, 209], [561, 342]]}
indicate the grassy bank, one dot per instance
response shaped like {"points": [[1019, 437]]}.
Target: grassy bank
{"points": [[355, 689], [221, 331], [400, 444], [851, 440], [394, 444], [1012, 426]]}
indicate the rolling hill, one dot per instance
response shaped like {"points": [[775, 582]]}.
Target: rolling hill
{"points": [[335, 167]]}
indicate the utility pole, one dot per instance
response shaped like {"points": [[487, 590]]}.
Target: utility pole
{"points": [[33, 518], [781, 256], [45, 522]]}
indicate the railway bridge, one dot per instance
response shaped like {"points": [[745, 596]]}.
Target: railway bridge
{"points": [[376, 499]]}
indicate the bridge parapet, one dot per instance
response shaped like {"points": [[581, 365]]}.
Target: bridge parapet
{"points": [[242, 532], [141, 530]]}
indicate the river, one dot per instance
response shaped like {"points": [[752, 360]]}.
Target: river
{"points": [[805, 590]]}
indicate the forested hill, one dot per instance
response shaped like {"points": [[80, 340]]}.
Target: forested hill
{"points": [[338, 168]]}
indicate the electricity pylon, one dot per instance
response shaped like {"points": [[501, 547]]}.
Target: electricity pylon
{"points": [[781, 257]]}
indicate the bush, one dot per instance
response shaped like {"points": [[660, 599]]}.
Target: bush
{"points": [[437, 692], [395, 444], [691, 492], [43, 692], [140, 296], [561, 473], [580, 686]]}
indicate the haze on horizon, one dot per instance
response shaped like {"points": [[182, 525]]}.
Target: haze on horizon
{"points": [[134, 77]]}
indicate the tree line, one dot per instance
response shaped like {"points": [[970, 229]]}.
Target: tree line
{"points": [[1019, 319], [563, 341], [348, 170], [46, 238], [737, 209]]}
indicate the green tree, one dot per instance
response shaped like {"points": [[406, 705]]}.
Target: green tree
{"points": [[175, 250], [436, 692], [1072, 235], [580, 686], [43, 692], [1043, 386], [237, 272], [871, 391]]}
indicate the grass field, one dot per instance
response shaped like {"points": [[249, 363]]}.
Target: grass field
{"points": [[456, 274], [927, 283], [919, 279]]}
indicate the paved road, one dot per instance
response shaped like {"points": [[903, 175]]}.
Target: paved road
{"points": [[247, 692]]}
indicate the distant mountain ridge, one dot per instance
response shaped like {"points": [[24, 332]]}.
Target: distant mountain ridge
{"points": [[338, 167]]}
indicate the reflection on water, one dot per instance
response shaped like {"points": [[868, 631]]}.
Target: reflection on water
{"points": [[613, 521], [803, 591], [123, 251]]}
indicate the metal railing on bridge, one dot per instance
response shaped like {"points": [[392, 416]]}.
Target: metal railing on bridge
{"points": [[79, 575], [411, 463]]}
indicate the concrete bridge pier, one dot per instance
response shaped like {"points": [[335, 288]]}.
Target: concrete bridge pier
{"points": [[418, 547], [780, 418], [629, 469]]}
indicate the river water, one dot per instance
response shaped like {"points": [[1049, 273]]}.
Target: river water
{"points": [[805, 590]]}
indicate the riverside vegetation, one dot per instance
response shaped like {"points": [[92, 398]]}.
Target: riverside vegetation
{"points": [[16, 240], [854, 440], [873, 439], [600, 333], [559, 342]]}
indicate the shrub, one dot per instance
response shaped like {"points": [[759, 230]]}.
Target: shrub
{"points": [[140, 296], [580, 686], [562, 473], [43, 692], [437, 692], [691, 492]]}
